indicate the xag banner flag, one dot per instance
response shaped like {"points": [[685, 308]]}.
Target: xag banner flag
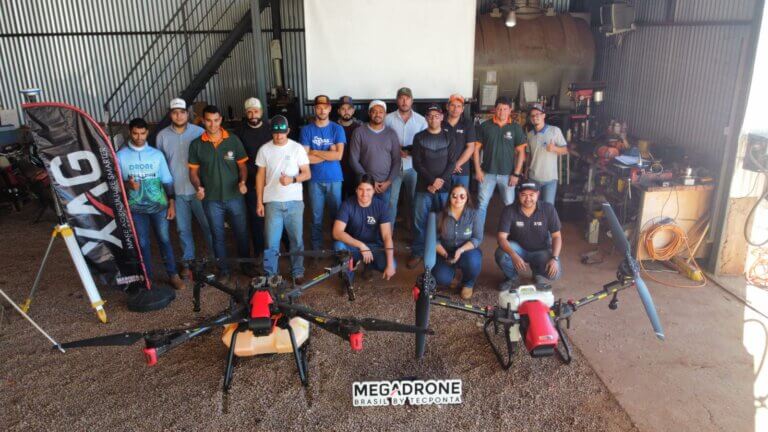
{"points": [[82, 165]]}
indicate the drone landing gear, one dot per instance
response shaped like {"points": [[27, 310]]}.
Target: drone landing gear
{"points": [[231, 357], [511, 345], [563, 348], [300, 355]]}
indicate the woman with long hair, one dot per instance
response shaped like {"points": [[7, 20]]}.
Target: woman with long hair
{"points": [[458, 239]]}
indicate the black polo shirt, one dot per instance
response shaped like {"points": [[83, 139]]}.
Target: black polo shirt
{"points": [[462, 133], [253, 139], [531, 233]]}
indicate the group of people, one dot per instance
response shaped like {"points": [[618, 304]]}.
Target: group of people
{"points": [[252, 177]]}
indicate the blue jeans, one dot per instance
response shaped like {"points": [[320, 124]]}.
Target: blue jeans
{"points": [[548, 191], [217, 211], [320, 194], [460, 179], [379, 256], [147, 222], [186, 206], [536, 259], [425, 203], [407, 178], [491, 182], [279, 215], [469, 263]]}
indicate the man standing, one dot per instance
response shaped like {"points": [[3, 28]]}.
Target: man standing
{"points": [[363, 227], [463, 132], [375, 150], [546, 143], [174, 142], [283, 166], [347, 120], [150, 196], [434, 159], [503, 152], [218, 173], [406, 123], [324, 142], [254, 133], [529, 238]]}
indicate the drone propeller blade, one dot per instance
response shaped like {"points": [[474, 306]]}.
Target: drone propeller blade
{"points": [[650, 309], [430, 243], [373, 324], [619, 238], [119, 339], [642, 290]]}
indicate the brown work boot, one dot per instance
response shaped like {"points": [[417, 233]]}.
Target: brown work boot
{"points": [[177, 283], [466, 293], [413, 261]]}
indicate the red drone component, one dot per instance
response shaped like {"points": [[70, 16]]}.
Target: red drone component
{"points": [[150, 354], [356, 341], [351, 264], [260, 304], [541, 336], [416, 293]]}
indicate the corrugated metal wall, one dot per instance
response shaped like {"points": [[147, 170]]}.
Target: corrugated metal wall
{"points": [[675, 84], [82, 54]]}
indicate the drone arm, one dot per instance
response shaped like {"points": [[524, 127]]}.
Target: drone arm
{"points": [[299, 290], [466, 307], [565, 310]]}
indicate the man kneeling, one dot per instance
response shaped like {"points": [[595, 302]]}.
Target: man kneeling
{"points": [[529, 237], [363, 226]]}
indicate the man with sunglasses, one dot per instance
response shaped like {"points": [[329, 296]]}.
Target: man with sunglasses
{"points": [[283, 165], [463, 131], [546, 143], [434, 159], [529, 239]]}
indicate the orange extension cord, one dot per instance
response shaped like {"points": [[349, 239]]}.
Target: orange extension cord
{"points": [[758, 272], [665, 253]]}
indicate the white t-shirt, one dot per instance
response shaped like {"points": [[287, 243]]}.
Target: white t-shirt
{"points": [[279, 160]]}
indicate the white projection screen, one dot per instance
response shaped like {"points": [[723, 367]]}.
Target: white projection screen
{"points": [[368, 49]]}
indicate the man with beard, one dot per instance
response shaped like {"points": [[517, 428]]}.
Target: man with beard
{"points": [[174, 142], [406, 123], [463, 132], [347, 120], [375, 150], [324, 142], [254, 133]]}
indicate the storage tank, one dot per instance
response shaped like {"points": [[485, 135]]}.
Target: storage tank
{"points": [[551, 50]]}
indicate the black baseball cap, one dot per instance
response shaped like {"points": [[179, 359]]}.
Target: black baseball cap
{"points": [[279, 124], [528, 185], [346, 100], [435, 107]]}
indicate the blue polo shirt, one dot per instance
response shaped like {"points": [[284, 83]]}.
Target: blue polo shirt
{"points": [[322, 138]]}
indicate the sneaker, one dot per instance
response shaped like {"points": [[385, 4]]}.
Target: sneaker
{"points": [[413, 261], [177, 283], [509, 285], [542, 283], [466, 293], [224, 278]]}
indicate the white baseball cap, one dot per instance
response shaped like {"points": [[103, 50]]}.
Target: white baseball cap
{"points": [[377, 102], [178, 103], [252, 103]]}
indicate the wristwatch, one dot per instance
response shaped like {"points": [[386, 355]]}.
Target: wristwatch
{"points": [[515, 175], [556, 258]]}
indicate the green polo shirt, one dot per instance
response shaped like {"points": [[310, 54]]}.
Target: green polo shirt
{"points": [[218, 163], [499, 144]]}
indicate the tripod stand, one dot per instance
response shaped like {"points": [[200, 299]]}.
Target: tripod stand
{"points": [[65, 231]]}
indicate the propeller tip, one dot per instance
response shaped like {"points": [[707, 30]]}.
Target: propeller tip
{"points": [[661, 336]]}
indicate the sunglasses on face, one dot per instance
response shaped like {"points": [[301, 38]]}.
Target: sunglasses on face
{"points": [[279, 128]]}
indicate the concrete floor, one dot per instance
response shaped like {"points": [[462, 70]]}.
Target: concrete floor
{"points": [[708, 374]]}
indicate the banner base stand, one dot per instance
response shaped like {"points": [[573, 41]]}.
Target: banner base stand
{"points": [[150, 300]]}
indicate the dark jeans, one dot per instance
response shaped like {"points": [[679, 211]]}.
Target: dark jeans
{"points": [[469, 263], [536, 259], [147, 222], [379, 256], [217, 212], [256, 223]]}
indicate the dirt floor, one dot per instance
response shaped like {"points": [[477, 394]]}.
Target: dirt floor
{"points": [[111, 388]]}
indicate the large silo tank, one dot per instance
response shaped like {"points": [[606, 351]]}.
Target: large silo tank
{"points": [[551, 50]]}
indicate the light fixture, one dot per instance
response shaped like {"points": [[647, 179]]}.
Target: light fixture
{"points": [[511, 20]]}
